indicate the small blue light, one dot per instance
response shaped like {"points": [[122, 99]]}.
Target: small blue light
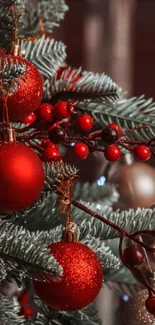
{"points": [[101, 181], [125, 298], [72, 144]]}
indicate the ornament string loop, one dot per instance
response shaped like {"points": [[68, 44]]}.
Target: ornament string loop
{"points": [[65, 201], [15, 50]]}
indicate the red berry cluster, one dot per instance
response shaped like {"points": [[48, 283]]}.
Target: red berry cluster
{"points": [[49, 113], [113, 152], [58, 119]]}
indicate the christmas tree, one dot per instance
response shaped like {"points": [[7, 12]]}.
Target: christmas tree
{"points": [[59, 233]]}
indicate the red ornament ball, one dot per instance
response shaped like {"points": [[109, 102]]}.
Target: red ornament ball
{"points": [[61, 110], [116, 127], [29, 119], [133, 255], [150, 305], [112, 153], [142, 152], [84, 122], [81, 150], [21, 176], [28, 95], [51, 154], [81, 280], [45, 112]]}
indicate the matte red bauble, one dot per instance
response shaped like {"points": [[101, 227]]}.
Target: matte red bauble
{"points": [[29, 93], [21, 176], [81, 280]]}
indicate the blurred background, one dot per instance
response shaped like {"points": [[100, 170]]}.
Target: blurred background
{"points": [[114, 36]]}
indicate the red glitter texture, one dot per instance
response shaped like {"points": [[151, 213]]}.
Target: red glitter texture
{"points": [[81, 281], [28, 95], [21, 176]]}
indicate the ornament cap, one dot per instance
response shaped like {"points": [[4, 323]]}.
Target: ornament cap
{"points": [[7, 133], [16, 48], [70, 234]]}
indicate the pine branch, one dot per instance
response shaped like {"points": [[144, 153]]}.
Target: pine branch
{"points": [[8, 312], [24, 253], [128, 113], [81, 85], [6, 16], [129, 220], [47, 54], [86, 316], [105, 195], [56, 173], [106, 257], [11, 71], [51, 13]]}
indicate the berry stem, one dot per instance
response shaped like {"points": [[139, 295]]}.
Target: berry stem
{"points": [[111, 224]]}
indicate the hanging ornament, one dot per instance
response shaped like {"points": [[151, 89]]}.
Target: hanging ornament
{"points": [[135, 312], [81, 280], [136, 185], [27, 96], [21, 174], [82, 271]]}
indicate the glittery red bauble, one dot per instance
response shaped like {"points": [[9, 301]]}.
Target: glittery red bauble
{"points": [[28, 95], [21, 176], [81, 280]]}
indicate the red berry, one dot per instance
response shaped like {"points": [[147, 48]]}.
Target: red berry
{"points": [[81, 150], [29, 119], [50, 144], [116, 127], [51, 154], [112, 153], [45, 112], [57, 134], [142, 152], [133, 255], [84, 122], [150, 304], [61, 110]]}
